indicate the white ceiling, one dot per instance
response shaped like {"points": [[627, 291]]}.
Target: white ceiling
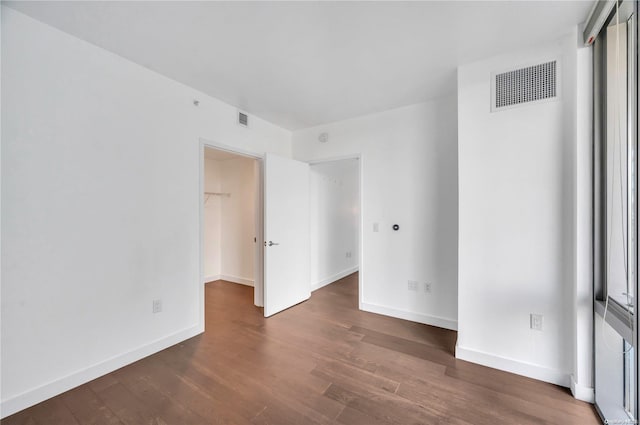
{"points": [[300, 64]]}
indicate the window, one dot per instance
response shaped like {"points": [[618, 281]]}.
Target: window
{"points": [[616, 214], [620, 203]]}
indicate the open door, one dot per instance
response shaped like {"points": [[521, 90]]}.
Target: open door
{"points": [[286, 233]]}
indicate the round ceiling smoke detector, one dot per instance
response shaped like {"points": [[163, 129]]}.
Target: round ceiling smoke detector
{"points": [[323, 137]]}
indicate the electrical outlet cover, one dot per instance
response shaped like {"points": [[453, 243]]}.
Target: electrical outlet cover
{"points": [[536, 321], [157, 306]]}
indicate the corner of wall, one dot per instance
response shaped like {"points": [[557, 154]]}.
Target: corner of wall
{"points": [[581, 392], [426, 319], [518, 367], [65, 383]]}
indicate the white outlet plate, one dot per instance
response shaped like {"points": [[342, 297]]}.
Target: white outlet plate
{"points": [[376, 227], [427, 287], [536, 321], [157, 306], [412, 285]]}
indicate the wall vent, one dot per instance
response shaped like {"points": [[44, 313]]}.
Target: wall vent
{"points": [[243, 119], [525, 85]]}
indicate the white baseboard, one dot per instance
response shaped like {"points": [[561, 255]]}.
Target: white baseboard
{"points": [[331, 279], [53, 388], [228, 278], [581, 392], [211, 278], [427, 319], [518, 367], [236, 279]]}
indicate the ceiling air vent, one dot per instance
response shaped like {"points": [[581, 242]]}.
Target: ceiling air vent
{"points": [[243, 119], [525, 85]]}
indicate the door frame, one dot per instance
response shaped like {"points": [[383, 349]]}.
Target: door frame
{"points": [[258, 279], [258, 292], [361, 246]]}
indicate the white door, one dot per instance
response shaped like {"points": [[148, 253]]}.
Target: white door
{"points": [[286, 233]]}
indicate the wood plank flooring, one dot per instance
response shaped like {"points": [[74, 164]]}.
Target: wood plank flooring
{"points": [[321, 362]]}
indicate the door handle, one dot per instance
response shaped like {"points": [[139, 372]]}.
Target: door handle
{"points": [[271, 243]]}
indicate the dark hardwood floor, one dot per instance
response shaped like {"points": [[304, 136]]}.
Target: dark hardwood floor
{"points": [[323, 361]]}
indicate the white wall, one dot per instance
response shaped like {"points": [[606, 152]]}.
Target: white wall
{"points": [[409, 177], [335, 220], [517, 221], [238, 220], [100, 208], [212, 250]]}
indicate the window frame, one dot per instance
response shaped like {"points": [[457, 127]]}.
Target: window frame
{"points": [[617, 315]]}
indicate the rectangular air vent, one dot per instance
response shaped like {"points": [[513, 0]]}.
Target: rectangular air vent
{"points": [[243, 119], [531, 84]]}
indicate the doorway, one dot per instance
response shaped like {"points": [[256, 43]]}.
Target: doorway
{"points": [[335, 222], [231, 222], [280, 232]]}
